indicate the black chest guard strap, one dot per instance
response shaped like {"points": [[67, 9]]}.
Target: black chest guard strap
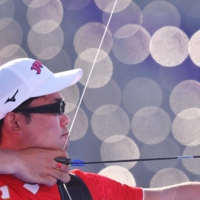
{"points": [[76, 188]]}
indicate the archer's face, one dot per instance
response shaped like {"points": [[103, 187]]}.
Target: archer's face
{"points": [[45, 130]]}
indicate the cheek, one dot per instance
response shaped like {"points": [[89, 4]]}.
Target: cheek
{"points": [[48, 125], [42, 131], [46, 131]]}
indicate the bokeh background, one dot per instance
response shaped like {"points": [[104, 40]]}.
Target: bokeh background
{"points": [[143, 97]]}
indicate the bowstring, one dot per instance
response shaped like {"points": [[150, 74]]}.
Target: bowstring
{"points": [[94, 62]]}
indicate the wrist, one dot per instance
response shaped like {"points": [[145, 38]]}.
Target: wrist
{"points": [[9, 161]]}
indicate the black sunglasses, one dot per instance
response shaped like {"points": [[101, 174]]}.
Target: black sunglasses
{"points": [[58, 107]]}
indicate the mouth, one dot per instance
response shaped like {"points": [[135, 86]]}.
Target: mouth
{"points": [[65, 134]]}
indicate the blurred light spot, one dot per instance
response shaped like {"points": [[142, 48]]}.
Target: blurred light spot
{"points": [[11, 52], [108, 94], [114, 123], [141, 92], [36, 3], [194, 48], [119, 147], [166, 148], [46, 18], [169, 46], [10, 35], [171, 76], [192, 165], [6, 13], [131, 44], [119, 174], [4, 22], [101, 73], [107, 5], [80, 126], [192, 20], [106, 109], [45, 46], [159, 14], [151, 125], [167, 177], [186, 127], [75, 4], [89, 55], [71, 95], [90, 36], [61, 62], [45, 26], [132, 14], [185, 95]]}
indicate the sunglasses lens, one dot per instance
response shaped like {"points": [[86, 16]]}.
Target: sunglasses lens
{"points": [[62, 107]]}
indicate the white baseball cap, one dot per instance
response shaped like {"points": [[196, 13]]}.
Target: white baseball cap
{"points": [[23, 78]]}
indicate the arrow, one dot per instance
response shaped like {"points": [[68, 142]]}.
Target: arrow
{"points": [[81, 163]]}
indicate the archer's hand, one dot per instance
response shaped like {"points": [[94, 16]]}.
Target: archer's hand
{"points": [[35, 165]]}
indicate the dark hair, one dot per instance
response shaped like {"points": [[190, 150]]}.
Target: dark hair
{"points": [[27, 115]]}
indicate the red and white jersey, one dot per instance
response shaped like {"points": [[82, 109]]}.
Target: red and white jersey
{"points": [[100, 188], [103, 188], [14, 189]]}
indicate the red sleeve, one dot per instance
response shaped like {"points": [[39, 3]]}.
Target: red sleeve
{"points": [[103, 188]]}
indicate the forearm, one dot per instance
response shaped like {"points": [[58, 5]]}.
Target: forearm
{"points": [[184, 191], [8, 161]]}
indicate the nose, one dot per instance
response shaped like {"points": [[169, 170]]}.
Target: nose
{"points": [[64, 120]]}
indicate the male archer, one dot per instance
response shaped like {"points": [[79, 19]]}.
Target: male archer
{"points": [[32, 116]]}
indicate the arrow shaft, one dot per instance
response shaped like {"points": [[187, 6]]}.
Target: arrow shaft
{"points": [[136, 160]]}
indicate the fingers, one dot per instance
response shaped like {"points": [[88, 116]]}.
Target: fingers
{"points": [[62, 167], [59, 172], [58, 175], [65, 178], [48, 180]]}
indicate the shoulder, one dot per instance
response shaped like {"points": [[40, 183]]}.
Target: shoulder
{"points": [[102, 187]]}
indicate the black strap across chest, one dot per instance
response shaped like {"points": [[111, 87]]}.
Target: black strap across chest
{"points": [[76, 188]]}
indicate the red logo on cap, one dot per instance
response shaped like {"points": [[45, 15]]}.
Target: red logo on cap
{"points": [[37, 66]]}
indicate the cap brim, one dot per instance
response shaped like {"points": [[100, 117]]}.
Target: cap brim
{"points": [[58, 82]]}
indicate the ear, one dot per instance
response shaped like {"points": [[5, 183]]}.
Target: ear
{"points": [[12, 122]]}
